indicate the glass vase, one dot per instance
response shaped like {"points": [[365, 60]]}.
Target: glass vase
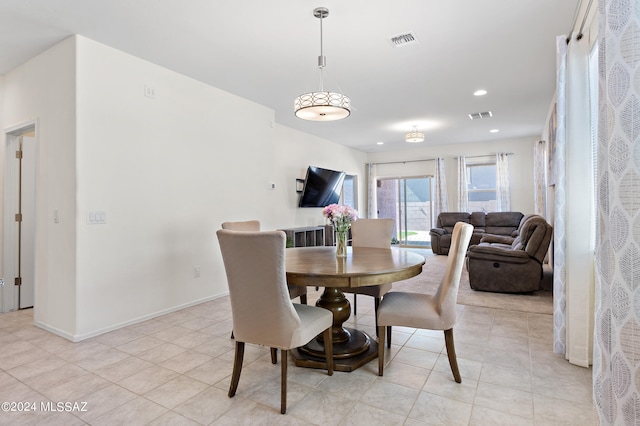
{"points": [[341, 242]]}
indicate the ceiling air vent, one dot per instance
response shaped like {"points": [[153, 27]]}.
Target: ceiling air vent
{"points": [[403, 39], [477, 115]]}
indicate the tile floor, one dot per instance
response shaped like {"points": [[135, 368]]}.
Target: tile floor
{"points": [[175, 370]]}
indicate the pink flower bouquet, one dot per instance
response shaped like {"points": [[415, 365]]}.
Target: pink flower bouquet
{"points": [[340, 215]]}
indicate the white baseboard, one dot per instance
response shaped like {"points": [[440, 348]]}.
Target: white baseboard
{"points": [[84, 336]]}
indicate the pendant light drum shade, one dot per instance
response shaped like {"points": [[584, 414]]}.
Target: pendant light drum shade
{"points": [[322, 106]]}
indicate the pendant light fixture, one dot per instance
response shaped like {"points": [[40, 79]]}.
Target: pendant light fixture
{"points": [[414, 136], [322, 105]]}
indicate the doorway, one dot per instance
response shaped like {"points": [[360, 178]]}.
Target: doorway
{"points": [[407, 200], [19, 219]]}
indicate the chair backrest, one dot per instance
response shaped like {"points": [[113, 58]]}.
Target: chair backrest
{"points": [[372, 233], [260, 305], [447, 292], [248, 225]]}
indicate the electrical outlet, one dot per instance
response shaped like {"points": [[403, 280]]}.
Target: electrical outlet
{"points": [[149, 92], [196, 272]]}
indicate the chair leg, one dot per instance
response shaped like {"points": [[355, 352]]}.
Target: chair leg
{"points": [[303, 299], [328, 350], [237, 367], [283, 384], [451, 353], [381, 333], [355, 304], [376, 303], [389, 336], [274, 356]]}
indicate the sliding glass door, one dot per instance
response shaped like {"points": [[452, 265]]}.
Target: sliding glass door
{"points": [[408, 201]]}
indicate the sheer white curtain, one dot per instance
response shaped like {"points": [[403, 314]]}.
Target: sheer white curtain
{"points": [[616, 378], [439, 191], [573, 280], [463, 189], [372, 199], [503, 187], [540, 178], [559, 243]]}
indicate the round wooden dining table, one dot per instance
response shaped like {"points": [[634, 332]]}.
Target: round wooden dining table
{"points": [[363, 266]]}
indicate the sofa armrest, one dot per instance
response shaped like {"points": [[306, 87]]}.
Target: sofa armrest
{"points": [[498, 254], [437, 231], [492, 238]]}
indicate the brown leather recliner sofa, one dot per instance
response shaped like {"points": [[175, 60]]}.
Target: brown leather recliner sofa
{"points": [[511, 265], [498, 223]]}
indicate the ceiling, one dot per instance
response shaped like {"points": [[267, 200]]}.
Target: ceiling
{"points": [[267, 52]]}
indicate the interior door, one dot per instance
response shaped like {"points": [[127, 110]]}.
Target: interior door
{"points": [[27, 200]]}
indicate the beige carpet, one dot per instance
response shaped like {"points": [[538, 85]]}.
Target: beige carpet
{"points": [[540, 302]]}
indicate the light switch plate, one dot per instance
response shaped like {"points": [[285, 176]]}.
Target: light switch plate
{"points": [[96, 217]]}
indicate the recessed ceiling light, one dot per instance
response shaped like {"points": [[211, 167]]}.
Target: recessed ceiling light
{"points": [[480, 92], [494, 131], [380, 143]]}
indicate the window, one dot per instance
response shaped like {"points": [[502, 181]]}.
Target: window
{"points": [[481, 186], [350, 191]]}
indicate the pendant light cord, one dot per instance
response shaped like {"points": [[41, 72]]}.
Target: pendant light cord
{"points": [[322, 61]]}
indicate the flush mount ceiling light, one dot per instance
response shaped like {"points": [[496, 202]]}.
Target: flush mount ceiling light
{"points": [[414, 136], [322, 105]]}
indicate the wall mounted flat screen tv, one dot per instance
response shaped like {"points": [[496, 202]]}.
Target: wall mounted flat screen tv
{"points": [[321, 187]]}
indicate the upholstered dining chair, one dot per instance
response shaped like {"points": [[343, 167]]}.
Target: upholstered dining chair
{"points": [[262, 311], [375, 233], [254, 225], [428, 311]]}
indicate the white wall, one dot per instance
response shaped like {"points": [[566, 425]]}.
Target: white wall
{"points": [[520, 166], [166, 171], [43, 90]]}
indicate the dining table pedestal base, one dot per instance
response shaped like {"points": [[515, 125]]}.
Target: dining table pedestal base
{"points": [[352, 348], [350, 355]]}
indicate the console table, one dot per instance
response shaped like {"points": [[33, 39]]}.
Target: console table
{"points": [[309, 236]]}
